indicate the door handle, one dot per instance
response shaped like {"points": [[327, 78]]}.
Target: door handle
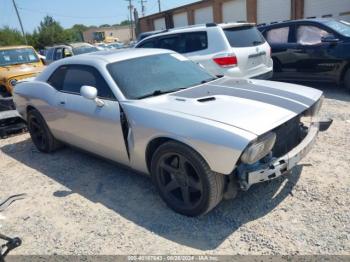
{"points": [[62, 103]]}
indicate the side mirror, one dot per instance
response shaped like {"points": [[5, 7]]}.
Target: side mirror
{"points": [[90, 93], [329, 39]]}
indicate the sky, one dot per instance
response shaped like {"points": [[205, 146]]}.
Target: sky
{"points": [[70, 12]]}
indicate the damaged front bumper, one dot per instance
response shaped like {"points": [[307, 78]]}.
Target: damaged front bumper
{"points": [[260, 172]]}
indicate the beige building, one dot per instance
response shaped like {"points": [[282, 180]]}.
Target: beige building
{"points": [[108, 34], [256, 11]]}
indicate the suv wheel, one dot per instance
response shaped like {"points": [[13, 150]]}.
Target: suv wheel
{"points": [[185, 181], [40, 133]]}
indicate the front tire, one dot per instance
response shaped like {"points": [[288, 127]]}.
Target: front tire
{"points": [[40, 133], [185, 181]]}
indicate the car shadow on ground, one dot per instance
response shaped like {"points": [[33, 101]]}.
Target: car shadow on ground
{"points": [[134, 197]]}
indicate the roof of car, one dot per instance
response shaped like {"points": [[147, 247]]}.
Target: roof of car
{"points": [[15, 47], [73, 45], [317, 20], [191, 28], [111, 56]]}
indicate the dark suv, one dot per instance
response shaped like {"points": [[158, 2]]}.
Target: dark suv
{"points": [[310, 50]]}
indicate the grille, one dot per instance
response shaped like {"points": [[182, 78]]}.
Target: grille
{"points": [[288, 136]]}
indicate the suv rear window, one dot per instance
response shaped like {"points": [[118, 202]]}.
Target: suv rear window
{"points": [[245, 36]]}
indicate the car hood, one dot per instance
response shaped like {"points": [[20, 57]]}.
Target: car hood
{"points": [[20, 70], [256, 106]]}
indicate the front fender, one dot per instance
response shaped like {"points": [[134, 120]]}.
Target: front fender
{"points": [[219, 144]]}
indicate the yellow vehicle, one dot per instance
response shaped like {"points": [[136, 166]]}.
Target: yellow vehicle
{"points": [[17, 63]]}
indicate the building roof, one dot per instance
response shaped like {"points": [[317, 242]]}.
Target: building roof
{"points": [[174, 9]]}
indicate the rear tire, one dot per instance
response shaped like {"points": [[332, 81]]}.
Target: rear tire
{"points": [[40, 133], [347, 79], [185, 181]]}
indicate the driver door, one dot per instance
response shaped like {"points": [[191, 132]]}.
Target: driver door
{"points": [[84, 124], [316, 60]]}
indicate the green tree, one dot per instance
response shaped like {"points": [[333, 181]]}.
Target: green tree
{"points": [[125, 22], [50, 32], [9, 36]]}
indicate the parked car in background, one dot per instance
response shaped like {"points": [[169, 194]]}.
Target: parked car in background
{"points": [[197, 135], [310, 50], [233, 49], [102, 46], [62, 51], [17, 63], [116, 45]]}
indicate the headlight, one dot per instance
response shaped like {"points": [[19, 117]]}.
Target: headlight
{"points": [[13, 82], [259, 148]]}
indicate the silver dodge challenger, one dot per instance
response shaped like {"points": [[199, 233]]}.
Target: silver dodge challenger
{"points": [[200, 137]]}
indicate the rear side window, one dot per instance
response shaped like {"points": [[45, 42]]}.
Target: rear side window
{"points": [[148, 44], [56, 79], [171, 43], [278, 35], [246, 36], [196, 41], [184, 42]]}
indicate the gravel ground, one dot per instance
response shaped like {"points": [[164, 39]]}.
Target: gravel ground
{"points": [[79, 204]]}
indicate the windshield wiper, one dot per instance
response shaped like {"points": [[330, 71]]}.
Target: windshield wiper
{"points": [[159, 92]]}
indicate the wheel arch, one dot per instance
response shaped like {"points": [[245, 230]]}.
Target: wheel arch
{"points": [[28, 109], [156, 142]]}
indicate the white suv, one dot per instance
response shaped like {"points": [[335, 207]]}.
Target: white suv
{"points": [[233, 49]]}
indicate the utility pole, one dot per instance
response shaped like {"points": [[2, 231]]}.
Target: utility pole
{"points": [[143, 7], [20, 21], [159, 7], [131, 22]]}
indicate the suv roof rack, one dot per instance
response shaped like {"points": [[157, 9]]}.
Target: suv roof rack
{"points": [[210, 24]]}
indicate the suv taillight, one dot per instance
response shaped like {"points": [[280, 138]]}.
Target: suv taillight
{"points": [[227, 61]]}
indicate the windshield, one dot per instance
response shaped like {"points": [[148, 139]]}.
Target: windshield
{"points": [[84, 49], [340, 27], [18, 56], [156, 74], [245, 36]]}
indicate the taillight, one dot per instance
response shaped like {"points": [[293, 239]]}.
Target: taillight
{"points": [[227, 61]]}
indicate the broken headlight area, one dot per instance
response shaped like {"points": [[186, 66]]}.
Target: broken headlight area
{"points": [[259, 148]]}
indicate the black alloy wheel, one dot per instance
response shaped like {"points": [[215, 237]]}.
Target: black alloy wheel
{"points": [[40, 133], [184, 179], [180, 181]]}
